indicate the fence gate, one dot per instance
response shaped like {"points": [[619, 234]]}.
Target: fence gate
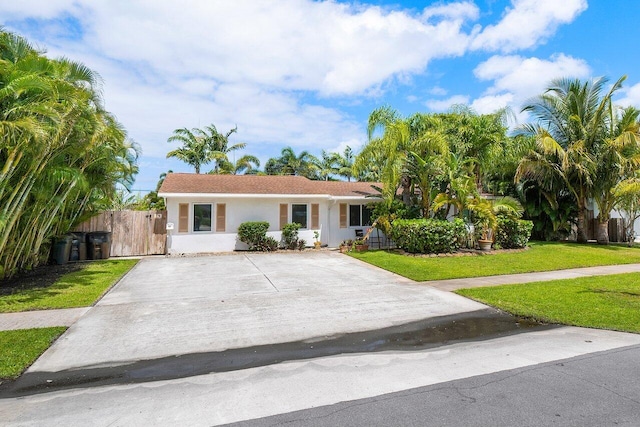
{"points": [[132, 232]]}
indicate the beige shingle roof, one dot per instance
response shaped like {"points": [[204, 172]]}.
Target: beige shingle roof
{"points": [[188, 183]]}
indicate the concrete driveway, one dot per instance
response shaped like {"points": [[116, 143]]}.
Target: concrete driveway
{"points": [[184, 315], [176, 306]]}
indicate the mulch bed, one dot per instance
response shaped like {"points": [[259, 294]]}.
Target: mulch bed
{"points": [[40, 277]]}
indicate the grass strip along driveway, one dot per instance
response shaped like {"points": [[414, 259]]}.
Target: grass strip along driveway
{"points": [[77, 289], [80, 288], [603, 302], [20, 348], [541, 256]]}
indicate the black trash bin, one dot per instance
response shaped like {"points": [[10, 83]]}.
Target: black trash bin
{"points": [[62, 250], [99, 244], [78, 246]]}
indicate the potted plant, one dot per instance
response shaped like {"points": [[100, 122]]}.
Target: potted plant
{"points": [[361, 245], [486, 238], [345, 246], [316, 239]]}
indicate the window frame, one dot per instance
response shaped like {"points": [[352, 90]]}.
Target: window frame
{"points": [[361, 209], [304, 226], [193, 217]]}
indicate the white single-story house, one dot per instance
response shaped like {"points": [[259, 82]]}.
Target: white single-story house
{"points": [[204, 211]]}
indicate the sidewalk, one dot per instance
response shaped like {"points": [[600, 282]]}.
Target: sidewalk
{"points": [[40, 318], [510, 279]]}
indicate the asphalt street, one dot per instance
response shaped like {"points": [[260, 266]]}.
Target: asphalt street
{"points": [[594, 390]]}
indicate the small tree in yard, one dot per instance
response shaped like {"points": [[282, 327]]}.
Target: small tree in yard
{"points": [[627, 193]]}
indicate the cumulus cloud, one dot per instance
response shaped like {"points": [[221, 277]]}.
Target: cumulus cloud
{"points": [[445, 104], [275, 69], [516, 78], [630, 96], [527, 23]]}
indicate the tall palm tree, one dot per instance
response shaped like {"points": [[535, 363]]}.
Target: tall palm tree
{"points": [[327, 164], [196, 149], [290, 163], [345, 164], [220, 148], [60, 152], [571, 118], [617, 157]]}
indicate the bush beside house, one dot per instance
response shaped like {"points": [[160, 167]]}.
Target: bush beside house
{"points": [[254, 234], [428, 235], [513, 233]]}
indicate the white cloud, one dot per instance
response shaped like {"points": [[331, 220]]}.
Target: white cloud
{"points": [[274, 68], [445, 104], [516, 78], [527, 23], [491, 103], [631, 96], [438, 91]]}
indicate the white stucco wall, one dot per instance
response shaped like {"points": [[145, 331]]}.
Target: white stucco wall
{"points": [[243, 209]]}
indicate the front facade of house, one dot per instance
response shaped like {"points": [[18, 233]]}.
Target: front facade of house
{"points": [[206, 210]]}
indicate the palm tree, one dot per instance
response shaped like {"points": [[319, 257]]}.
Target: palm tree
{"points": [[246, 164], [220, 148], [390, 149], [345, 164], [195, 150], [60, 152], [617, 157], [327, 164], [290, 163], [571, 118]]}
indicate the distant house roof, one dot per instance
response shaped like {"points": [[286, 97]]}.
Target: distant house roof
{"points": [[176, 184]]}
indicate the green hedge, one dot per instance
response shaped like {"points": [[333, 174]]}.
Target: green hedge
{"points": [[428, 235], [513, 233], [254, 234]]}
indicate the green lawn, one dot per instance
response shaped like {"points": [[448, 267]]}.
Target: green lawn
{"points": [[605, 302], [19, 349], [542, 256], [78, 289]]}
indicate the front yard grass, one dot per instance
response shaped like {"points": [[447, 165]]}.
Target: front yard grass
{"points": [[20, 348], [541, 256], [77, 289], [604, 302]]}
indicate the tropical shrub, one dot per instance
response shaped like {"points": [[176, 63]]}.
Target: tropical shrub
{"points": [[428, 235], [290, 235], [254, 234], [513, 233]]}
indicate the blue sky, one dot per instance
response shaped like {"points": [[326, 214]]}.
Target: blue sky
{"points": [[307, 73]]}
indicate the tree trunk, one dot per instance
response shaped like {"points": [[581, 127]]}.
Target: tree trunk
{"points": [[406, 190], [581, 231], [603, 231]]}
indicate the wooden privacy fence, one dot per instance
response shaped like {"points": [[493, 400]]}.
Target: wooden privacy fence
{"points": [[132, 232], [616, 228]]}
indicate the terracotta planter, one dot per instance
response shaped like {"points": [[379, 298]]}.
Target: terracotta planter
{"points": [[485, 245], [362, 248]]}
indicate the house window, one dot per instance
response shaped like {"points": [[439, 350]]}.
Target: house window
{"points": [[299, 215], [359, 216], [202, 217]]}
